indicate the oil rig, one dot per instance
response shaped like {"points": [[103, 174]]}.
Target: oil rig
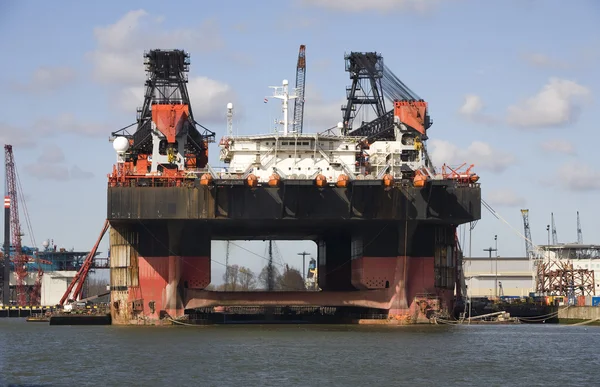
{"points": [[383, 218]]}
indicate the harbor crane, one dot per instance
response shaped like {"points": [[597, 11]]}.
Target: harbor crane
{"points": [[300, 89], [554, 235], [13, 233], [579, 233]]}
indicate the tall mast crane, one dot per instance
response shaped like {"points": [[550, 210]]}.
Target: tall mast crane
{"points": [[19, 259], [300, 88], [554, 236], [528, 242], [579, 233]]}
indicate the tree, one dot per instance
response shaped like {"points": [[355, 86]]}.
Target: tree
{"points": [[246, 279], [291, 280], [231, 278], [263, 278], [238, 278]]}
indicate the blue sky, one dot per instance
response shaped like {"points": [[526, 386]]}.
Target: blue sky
{"points": [[512, 87]]}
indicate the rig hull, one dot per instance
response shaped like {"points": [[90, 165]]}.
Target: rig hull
{"points": [[387, 249]]}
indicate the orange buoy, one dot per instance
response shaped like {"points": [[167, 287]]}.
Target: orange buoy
{"points": [[388, 180], [320, 181], [274, 180], [342, 181], [206, 179], [252, 181]]}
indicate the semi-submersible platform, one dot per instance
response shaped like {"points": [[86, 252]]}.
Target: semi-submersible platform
{"points": [[383, 218]]}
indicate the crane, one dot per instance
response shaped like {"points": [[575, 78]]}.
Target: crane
{"points": [[300, 88], [20, 260], [554, 236], [81, 276], [579, 233], [528, 242]]}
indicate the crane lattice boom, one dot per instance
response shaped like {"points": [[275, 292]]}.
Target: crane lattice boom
{"points": [[300, 88], [528, 243], [19, 259]]}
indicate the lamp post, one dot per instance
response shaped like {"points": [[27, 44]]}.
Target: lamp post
{"points": [[304, 254], [548, 247], [496, 280], [489, 250]]}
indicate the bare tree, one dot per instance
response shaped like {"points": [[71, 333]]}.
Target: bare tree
{"points": [[231, 278], [291, 280], [263, 277], [246, 279]]}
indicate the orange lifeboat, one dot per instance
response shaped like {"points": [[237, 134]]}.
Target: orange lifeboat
{"points": [[320, 181], [274, 180], [206, 179], [342, 181], [388, 181], [474, 178], [419, 180], [252, 181]]}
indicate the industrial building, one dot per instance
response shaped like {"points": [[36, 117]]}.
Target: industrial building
{"points": [[498, 276]]}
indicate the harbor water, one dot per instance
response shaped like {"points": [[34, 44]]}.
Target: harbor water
{"points": [[36, 354]]}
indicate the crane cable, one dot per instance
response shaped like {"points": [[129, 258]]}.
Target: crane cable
{"points": [[499, 217]]}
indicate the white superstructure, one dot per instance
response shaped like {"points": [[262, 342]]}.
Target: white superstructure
{"points": [[331, 157]]}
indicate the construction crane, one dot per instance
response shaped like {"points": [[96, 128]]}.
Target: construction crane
{"points": [[300, 88], [20, 260], [84, 270], [554, 236], [528, 241], [579, 233]]}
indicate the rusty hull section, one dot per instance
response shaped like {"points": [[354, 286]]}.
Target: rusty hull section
{"points": [[377, 248]]}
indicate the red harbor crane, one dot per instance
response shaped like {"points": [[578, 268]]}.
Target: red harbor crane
{"points": [[19, 259]]}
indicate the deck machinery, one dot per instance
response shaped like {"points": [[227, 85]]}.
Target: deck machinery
{"points": [[384, 220]]}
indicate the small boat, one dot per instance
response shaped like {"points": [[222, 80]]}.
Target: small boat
{"points": [[38, 317]]}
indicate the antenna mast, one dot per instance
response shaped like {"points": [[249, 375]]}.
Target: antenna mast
{"points": [[282, 93]]}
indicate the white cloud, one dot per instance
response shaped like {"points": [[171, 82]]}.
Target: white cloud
{"points": [[557, 104], [50, 165], [16, 136], [319, 113], [505, 197], [68, 123], [118, 56], [44, 171], [471, 105], [208, 98], [51, 154], [79, 174], [472, 108], [372, 5], [46, 79], [575, 176], [479, 153], [540, 60], [558, 146], [118, 59]]}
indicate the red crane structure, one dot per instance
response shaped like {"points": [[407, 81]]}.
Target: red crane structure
{"points": [[20, 260], [83, 272]]}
